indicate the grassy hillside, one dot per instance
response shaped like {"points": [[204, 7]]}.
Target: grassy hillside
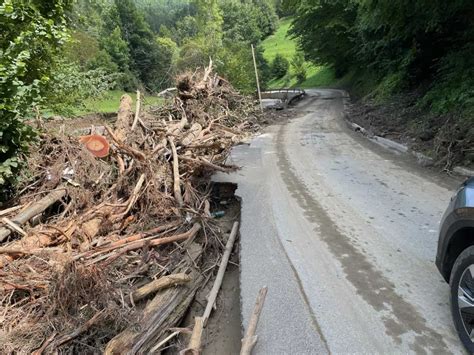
{"points": [[280, 43]]}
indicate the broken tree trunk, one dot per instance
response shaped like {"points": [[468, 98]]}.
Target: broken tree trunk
{"points": [[250, 339], [220, 274], [122, 125], [34, 210], [176, 179]]}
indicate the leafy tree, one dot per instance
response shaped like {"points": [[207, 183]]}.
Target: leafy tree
{"points": [[186, 28], [194, 53], [81, 48], [166, 69], [280, 66], [32, 33], [87, 16], [266, 15], [117, 48], [140, 40], [241, 22], [325, 32], [164, 12], [283, 8], [401, 43], [209, 23], [236, 64]]}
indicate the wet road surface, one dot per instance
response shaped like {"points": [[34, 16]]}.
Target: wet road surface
{"points": [[344, 235]]}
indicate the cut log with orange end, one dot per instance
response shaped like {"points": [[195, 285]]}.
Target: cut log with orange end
{"points": [[96, 144]]}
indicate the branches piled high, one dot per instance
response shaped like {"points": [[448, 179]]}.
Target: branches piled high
{"points": [[69, 280]]}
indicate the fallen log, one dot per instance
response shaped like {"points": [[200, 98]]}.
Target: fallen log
{"points": [[193, 133], [35, 209], [157, 347], [250, 339], [170, 314], [209, 164], [129, 150], [10, 210], [45, 345], [13, 226]]}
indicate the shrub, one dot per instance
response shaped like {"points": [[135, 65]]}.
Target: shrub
{"points": [[70, 86], [299, 68], [280, 66]]}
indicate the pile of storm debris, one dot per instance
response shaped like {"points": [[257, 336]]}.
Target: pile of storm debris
{"points": [[112, 231]]}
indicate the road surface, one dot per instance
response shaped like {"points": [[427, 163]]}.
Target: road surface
{"points": [[344, 235]]}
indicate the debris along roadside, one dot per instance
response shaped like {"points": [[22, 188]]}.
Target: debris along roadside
{"points": [[110, 251]]}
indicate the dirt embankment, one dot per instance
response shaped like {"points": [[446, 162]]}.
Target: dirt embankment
{"points": [[447, 138]]}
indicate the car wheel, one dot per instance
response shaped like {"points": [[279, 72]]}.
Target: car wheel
{"points": [[462, 297]]}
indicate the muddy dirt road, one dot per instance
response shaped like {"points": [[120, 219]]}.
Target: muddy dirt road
{"points": [[344, 235]]}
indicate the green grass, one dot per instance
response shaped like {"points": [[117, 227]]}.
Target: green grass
{"points": [[110, 102], [280, 43]]}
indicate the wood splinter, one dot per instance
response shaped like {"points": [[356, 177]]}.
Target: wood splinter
{"points": [[194, 346]]}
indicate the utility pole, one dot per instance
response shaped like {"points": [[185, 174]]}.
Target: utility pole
{"points": [[256, 77]]}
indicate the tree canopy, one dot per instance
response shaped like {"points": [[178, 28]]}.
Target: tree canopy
{"points": [[399, 43]]}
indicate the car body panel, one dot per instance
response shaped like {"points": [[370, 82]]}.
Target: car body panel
{"points": [[459, 215]]}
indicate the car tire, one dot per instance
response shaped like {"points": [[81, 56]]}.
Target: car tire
{"points": [[462, 265]]}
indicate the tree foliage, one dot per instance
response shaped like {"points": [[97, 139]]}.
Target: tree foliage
{"points": [[236, 64], [140, 40], [280, 66], [267, 17], [400, 43], [31, 34], [241, 22]]}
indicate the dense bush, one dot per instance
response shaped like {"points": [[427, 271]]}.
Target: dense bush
{"points": [[280, 66], [236, 64]]}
